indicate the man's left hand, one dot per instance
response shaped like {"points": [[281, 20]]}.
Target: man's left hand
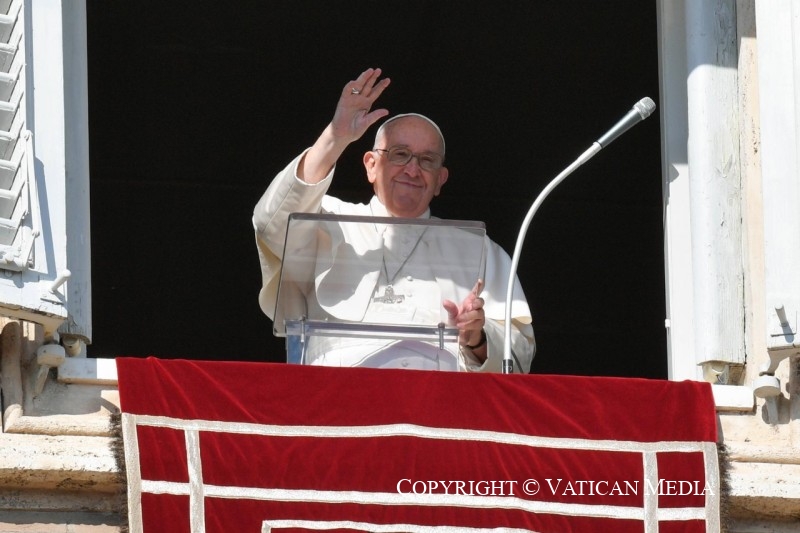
{"points": [[469, 317]]}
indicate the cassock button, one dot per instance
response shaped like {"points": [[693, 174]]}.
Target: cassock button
{"points": [[404, 363], [409, 278]]}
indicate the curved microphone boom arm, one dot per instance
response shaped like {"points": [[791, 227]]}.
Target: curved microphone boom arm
{"points": [[639, 112]]}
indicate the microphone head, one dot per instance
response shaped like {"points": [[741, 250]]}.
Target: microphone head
{"points": [[644, 107]]}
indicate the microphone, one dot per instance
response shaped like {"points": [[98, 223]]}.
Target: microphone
{"points": [[641, 110]]}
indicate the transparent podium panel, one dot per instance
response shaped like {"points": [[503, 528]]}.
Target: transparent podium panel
{"points": [[369, 291]]}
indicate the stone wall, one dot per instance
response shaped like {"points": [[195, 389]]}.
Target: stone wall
{"points": [[58, 471]]}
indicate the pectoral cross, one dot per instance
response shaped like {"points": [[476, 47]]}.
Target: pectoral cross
{"points": [[389, 297]]}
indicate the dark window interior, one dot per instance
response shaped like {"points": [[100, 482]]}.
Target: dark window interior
{"points": [[195, 105]]}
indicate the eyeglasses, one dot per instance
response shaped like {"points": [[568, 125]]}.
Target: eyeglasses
{"points": [[398, 155]]}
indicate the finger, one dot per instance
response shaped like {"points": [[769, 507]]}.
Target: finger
{"points": [[365, 84], [370, 77], [373, 92], [472, 320], [365, 76], [356, 86], [353, 88], [473, 325], [374, 116], [451, 308], [371, 83], [478, 288]]}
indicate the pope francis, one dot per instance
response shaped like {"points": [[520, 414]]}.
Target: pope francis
{"points": [[406, 170]]}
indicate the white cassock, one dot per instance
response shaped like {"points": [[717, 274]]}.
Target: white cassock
{"points": [[408, 263]]}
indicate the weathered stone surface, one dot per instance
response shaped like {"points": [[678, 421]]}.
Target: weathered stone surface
{"points": [[59, 522], [44, 461]]}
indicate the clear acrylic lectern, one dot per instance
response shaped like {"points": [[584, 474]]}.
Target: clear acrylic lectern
{"points": [[368, 291]]}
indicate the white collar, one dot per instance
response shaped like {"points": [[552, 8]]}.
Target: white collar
{"points": [[379, 210]]}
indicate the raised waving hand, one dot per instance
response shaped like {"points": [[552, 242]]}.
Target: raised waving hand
{"points": [[353, 116]]}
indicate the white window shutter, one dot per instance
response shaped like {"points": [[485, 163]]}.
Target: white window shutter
{"points": [[16, 228], [44, 166]]}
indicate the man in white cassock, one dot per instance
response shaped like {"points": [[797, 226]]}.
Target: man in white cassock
{"points": [[406, 169]]}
